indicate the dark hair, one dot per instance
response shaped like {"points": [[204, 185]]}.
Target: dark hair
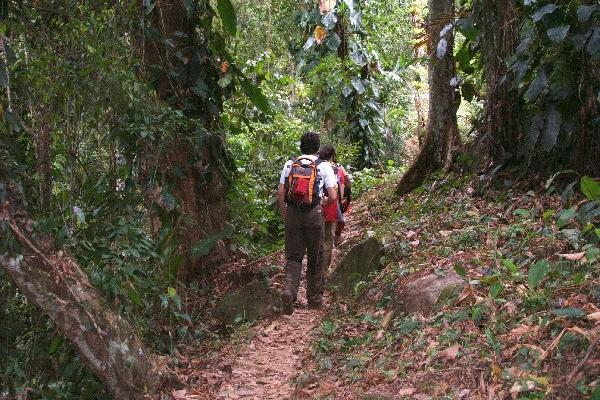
{"points": [[310, 142], [327, 153]]}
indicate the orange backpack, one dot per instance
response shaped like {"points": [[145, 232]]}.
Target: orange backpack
{"points": [[302, 184]]}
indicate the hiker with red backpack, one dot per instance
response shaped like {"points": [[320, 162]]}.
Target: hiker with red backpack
{"points": [[344, 197], [304, 181], [332, 212]]}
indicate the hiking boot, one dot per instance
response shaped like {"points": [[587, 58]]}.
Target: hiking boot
{"points": [[337, 239], [287, 304]]}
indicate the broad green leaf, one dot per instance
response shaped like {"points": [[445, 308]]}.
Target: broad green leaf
{"points": [[549, 213], [510, 265], [542, 11], [171, 292], [569, 312], [55, 344], [460, 270], [225, 80], [228, 17], [135, 297], [596, 394], [590, 188], [537, 273], [330, 20], [584, 12], [559, 33], [551, 129], [358, 85], [495, 290], [333, 42], [565, 216], [256, 96], [537, 86], [593, 45]]}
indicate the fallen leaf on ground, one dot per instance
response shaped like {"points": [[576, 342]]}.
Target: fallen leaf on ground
{"points": [[179, 394], [406, 391], [573, 256], [594, 316], [450, 353]]}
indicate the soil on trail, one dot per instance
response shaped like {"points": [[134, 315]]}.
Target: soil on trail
{"points": [[266, 368]]}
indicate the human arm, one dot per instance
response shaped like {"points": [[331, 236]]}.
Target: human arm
{"points": [[281, 200], [331, 196]]}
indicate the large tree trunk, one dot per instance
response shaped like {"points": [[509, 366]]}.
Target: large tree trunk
{"points": [[497, 21], [53, 281], [584, 156], [192, 160], [441, 138]]}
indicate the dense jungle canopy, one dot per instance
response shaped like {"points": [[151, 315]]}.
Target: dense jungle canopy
{"points": [[141, 144]]}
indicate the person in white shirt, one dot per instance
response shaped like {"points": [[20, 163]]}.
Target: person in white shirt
{"points": [[301, 194]]}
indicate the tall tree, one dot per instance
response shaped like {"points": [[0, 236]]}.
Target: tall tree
{"points": [[441, 137], [497, 21], [180, 62]]}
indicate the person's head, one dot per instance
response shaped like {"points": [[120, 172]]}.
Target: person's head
{"points": [[310, 142], [327, 153]]}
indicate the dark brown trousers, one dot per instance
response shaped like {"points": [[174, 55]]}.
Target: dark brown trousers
{"points": [[304, 235]]}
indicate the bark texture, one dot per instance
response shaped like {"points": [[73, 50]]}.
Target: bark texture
{"points": [[53, 281], [497, 20], [196, 162], [441, 138]]}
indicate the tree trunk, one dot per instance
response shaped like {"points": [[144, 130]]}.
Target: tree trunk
{"points": [[53, 281], [584, 156], [191, 160], [441, 137], [497, 21]]}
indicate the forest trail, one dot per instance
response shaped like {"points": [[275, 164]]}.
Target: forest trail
{"points": [[277, 353], [265, 369]]}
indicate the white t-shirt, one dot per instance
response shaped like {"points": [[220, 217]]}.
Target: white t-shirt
{"points": [[325, 173]]}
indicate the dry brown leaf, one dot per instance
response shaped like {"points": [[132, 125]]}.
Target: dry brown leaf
{"points": [[320, 34], [410, 234], [450, 353], [179, 394], [594, 316], [573, 256], [406, 391], [387, 319]]}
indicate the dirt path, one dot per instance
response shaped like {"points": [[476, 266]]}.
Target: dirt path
{"points": [[265, 369]]}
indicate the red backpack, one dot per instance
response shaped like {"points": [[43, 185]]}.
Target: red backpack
{"points": [[302, 184]]}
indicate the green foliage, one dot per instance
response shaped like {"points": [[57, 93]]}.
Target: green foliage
{"points": [[590, 188], [228, 17], [537, 273], [556, 40]]}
